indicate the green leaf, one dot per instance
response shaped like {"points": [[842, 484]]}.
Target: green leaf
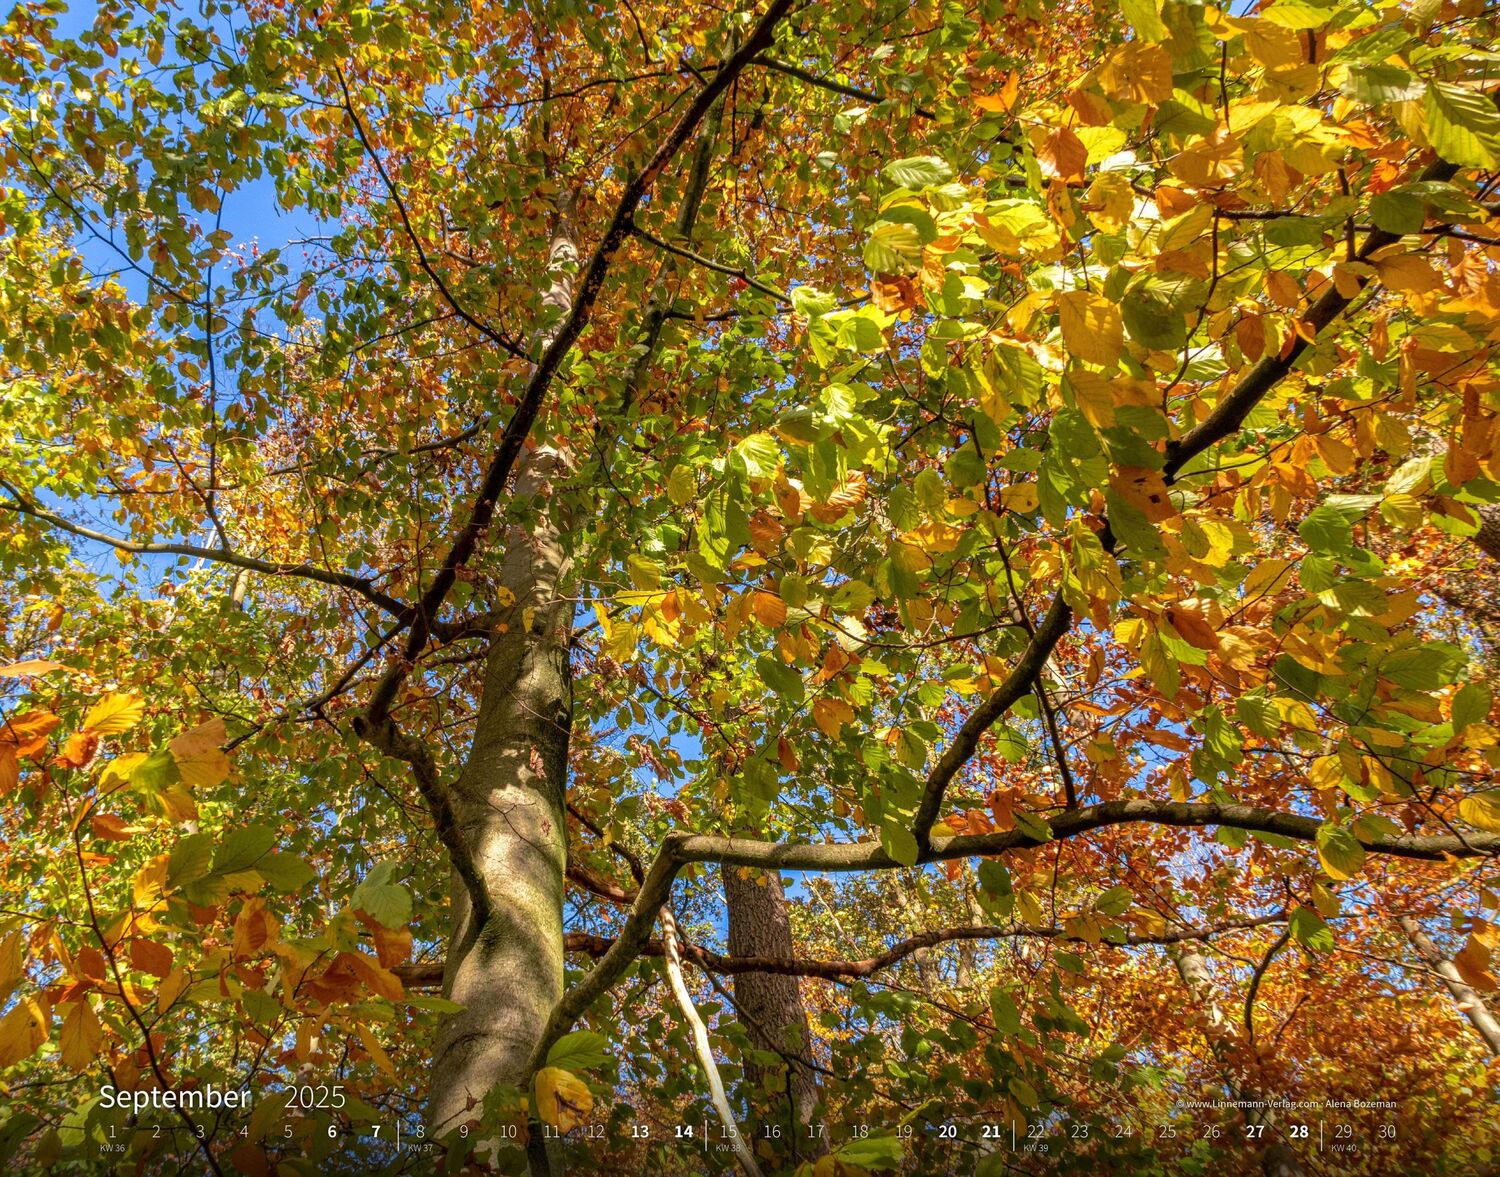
{"points": [[1032, 826], [1326, 530], [1026, 1095], [285, 872], [1462, 125], [1310, 930], [873, 1152], [1339, 851], [582, 1050], [919, 171], [1471, 705], [190, 860], [898, 842], [1380, 83], [1006, 1014], [1145, 18], [387, 903], [780, 677], [243, 848], [1398, 212]]}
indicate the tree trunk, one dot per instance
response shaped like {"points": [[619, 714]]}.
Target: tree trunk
{"points": [[1279, 1159], [509, 798], [772, 1009], [1470, 1003]]}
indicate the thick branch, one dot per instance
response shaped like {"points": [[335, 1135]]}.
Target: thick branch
{"points": [[1232, 409], [387, 738], [1016, 685], [430, 973]]}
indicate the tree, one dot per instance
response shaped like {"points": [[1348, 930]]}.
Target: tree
{"points": [[1046, 453]]}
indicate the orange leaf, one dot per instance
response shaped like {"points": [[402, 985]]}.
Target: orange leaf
{"points": [[378, 979], [78, 750], [254, 928], [29, 667], [1063, 156], [1004, 98], [770, 610], [110, 827], [830, 715], [151, 957]]}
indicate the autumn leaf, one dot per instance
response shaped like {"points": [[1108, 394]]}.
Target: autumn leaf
{"points": [[831, 715], [81, 1036], [199, 754], [563, 1100], [1063, 156], [1091, 327], [1482, 810], [30, 668], [770, 610], [114, 714], [23, 1030]]}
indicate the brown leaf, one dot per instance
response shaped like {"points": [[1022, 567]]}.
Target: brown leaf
{"points": [[151, 957], [770, 610], [1063, 156]]}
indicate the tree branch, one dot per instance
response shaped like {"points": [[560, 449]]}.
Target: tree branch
{"points": [[1016, 685], [358, 584], [590, 283], [848, 91]]}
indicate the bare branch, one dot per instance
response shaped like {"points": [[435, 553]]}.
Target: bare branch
{"points": [[358, 584]]}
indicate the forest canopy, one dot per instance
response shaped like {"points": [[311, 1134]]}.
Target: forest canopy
{"points": [[771, 586]]}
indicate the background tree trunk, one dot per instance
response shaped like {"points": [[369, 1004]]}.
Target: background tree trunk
{"points": [[1279, 1159], [772, 1007], [1470, 1003]]}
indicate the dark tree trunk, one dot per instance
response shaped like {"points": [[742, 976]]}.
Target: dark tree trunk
{"points": [[773, 1011]]}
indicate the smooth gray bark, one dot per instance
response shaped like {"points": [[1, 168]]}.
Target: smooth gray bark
{"points": [[1468, 1000], [509, 798], [1279, 1159]]}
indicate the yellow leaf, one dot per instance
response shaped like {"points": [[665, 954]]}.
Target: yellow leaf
{"points": [[934, 537], [114, 714], [1138, 73], [1482, 810], [375, 1051], [1021, 497], [82, 1036], [200, 756], [563, 1100], [830, 715], [1091, 327], [1408, 273], [171, 989], [12, 963], [23, 1030]]}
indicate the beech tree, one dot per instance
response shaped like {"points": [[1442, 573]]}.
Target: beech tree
{"points": [[874, 580]]}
